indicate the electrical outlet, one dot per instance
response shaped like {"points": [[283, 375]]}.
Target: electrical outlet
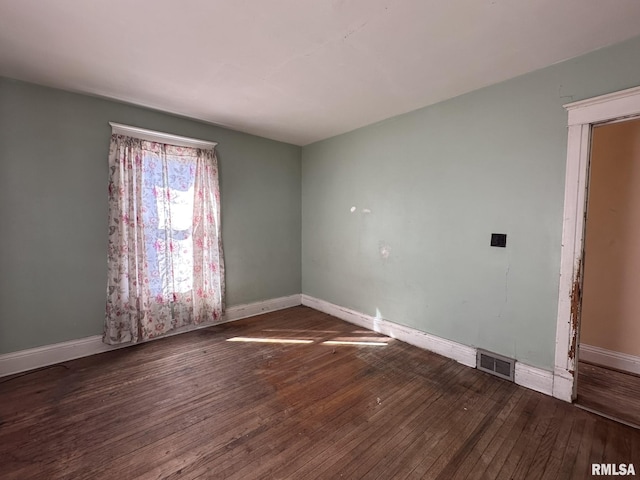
{"points": [[498, 239]]}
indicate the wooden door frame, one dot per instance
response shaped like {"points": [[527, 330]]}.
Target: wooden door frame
{"points": [[582, 116]]}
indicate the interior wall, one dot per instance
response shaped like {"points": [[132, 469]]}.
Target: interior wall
{"points": [[429, 187], [610, 316], [53, 211]]}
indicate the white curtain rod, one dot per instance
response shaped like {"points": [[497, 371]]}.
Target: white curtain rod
{"points": [[160, 137]]}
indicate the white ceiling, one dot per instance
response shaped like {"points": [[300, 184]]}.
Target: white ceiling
{"points": [[297, 70]]}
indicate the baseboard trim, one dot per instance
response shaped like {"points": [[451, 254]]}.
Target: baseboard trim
{"points": [[534, 378], [23, 360], [563, 385], [609, 358], [247, 310], [447, 348], [525, 375]]}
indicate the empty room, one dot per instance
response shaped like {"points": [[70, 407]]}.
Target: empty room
{"points": [[381, 239]]}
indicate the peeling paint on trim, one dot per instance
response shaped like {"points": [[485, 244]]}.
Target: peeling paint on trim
{"points": [[576, 304]]}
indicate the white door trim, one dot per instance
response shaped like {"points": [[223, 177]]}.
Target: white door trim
{"points": [[581, 116]]}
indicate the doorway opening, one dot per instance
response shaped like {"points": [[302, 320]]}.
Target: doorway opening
{"points": [[609, 348], [583, 117]]}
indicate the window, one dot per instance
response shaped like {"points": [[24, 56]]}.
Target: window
{"points": [[167, 215], [165, 260]]}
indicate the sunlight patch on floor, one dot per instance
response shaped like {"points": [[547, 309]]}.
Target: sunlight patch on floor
{"points": [[267, 340], [353, 342]]}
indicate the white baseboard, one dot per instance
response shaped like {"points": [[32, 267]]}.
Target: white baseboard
{"points": [[527, 376], [563, 385], [457, 351], [534, 378], [31, 358], [258, 308], [609, 358]]}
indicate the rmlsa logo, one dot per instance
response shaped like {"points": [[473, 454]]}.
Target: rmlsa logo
{"points": [[612, 469]]}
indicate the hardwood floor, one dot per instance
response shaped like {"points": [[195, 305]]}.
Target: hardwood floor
{"points": [[609, 392], [200, 405]]}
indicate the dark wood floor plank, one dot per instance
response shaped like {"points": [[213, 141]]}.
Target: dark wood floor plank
{"points": [[551, 446], [435, 440], [321, 437], [504, 420], [331, 393], [181, 442], [376, 455], [113, 384], [493, 457], [530, 445], [618, 448], [266, 466], [506, 461], [635, 452], [393, 415], [599, 441], [200, 406], [581, 466], [290, 399], [563, 444], [610, 392], [463, 441]]}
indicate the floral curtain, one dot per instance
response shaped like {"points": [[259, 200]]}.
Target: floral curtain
{"points": [[165, 263]]}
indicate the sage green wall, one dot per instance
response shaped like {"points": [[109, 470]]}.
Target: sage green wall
{"points": [[438, 181], [53, 211]]}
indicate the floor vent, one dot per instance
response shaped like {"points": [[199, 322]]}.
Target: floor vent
{"points": [[495, 364]]}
